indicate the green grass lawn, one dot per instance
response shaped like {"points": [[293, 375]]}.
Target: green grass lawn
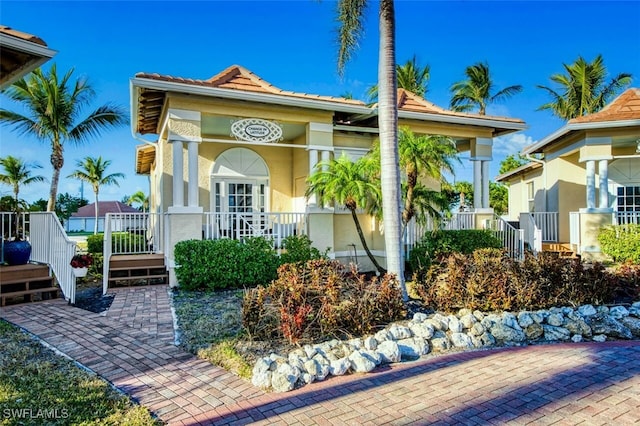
{"points": [[39, 387]]}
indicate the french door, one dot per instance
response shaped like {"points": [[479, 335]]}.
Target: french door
{"points": [[241, 204]]}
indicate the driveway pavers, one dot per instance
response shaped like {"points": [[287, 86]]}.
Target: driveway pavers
{"points": [[131, 345]]}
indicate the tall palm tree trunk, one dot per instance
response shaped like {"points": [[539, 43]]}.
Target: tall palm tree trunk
{"points": [[364, 243], [57, 161], [95, 226], [389, 158]]}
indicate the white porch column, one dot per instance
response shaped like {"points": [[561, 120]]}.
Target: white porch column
{"points": [[485, 184], [477, 184], [325, 156], [591, 184], [192, 193], [178, 174], [603, 171], [313, 162]]}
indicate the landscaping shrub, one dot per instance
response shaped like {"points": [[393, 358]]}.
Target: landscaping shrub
{"points": [[489, 280], [119, 240], [319, 299], [621, 242], [298, 248], [439, 243], [225, 263]]}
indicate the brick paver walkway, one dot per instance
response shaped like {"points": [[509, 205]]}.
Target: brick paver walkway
{"points": [[131, 346]]}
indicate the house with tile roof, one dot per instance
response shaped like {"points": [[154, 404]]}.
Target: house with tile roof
{"points": [[21, 54], [85, 218], [582, 177], [229, 156]]}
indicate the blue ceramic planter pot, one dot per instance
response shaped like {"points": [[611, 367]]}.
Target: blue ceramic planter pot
{"points": [[17, 252]]}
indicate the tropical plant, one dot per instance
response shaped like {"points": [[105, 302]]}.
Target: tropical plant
{"points": [[410, 76], [67, 204], [92, 171], [139, 197], [583, 89], [422, 157], [512, 162], [350, 184], [54, 106], [351, 24], [498, 198], [477, 90], [18, 173]]}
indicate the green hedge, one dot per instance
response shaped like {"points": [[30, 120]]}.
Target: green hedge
{"points": [[95, 243], [621, 242], [441, 243], [225, 263]]}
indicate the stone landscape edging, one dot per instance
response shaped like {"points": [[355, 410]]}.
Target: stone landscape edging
{"points": [[439, 333]]}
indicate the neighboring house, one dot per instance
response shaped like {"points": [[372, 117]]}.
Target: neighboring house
{"points": [[241, 150], [21, 53], [586, 175], [85, 218]]}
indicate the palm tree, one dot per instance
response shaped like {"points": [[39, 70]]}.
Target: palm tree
{"points": [[140, 198], [351, 18], [54, 106], [17, 173], [583, 90], [411, 77], [423, 157], [92, 171], [476, 91], [350, 184]]}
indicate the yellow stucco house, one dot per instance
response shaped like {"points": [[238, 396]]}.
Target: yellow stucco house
{"points": [[229, 156], [584, 176]]}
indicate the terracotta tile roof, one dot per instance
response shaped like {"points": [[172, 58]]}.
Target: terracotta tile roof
{"points": [[624, 107], [239, 78], [408, 101], [104, 207], [24, 36]]}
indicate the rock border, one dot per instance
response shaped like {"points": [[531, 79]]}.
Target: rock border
{"points": [[439, 333]]}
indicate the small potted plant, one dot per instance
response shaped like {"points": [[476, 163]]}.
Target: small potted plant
{"points": [[80, 264]]}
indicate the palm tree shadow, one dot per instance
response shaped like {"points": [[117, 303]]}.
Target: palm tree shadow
{"points": [[517, 392]]}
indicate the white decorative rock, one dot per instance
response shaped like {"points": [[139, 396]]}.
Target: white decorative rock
{"points": [[440, 344], [555, 319], [312, 367], [510, 321], [262, 365], [507, 334], [461, 340], [477, 330], [339, 367], [374, 356], [455, 326], [479, 315], [399, 332], [296, 361], [534, 331], [277, 358], [309, 351], [602, 309], [601, 323], [440, 322], [633, 324], [578, 326], [355, 344], [553, 333], [524, 319], [618, 312], [370, 343], [599, 338], [468, 321], [587, 310], [389, 351], [383, 335], [413, 348], [539, 316], [484, 341], [284, 378], [320, 359], [261, 379], [307, 378], [422, 329], [361, 362], [420, 317], [576, 338]]}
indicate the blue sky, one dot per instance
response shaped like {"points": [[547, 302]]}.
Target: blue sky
{"points": [[292, 45]]}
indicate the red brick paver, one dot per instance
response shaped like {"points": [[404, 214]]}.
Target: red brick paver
{"points": [[564, 384]]}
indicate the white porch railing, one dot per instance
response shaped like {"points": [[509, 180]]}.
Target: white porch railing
{"points": [[625, 218], [460, 220], [532, 234], [50, 245], [547, 222], [275, 226], [512, 239]]}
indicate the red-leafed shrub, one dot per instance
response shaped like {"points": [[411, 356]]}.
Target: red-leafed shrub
{"points": [[318, 299]]}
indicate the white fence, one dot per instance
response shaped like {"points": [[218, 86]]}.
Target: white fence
{"points": [[532, 234], [626, 218], [49, 244], [273, 226], [512, 239], [547, 222]]}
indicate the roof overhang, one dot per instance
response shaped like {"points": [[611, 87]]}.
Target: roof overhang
{"points": [[501, 127], [575, 127], [516, 172], [19, 57], [145, 156]]}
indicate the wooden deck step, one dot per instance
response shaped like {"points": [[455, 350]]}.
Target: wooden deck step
{"points": [[142, 269], [562, 249], [24, 281]]}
